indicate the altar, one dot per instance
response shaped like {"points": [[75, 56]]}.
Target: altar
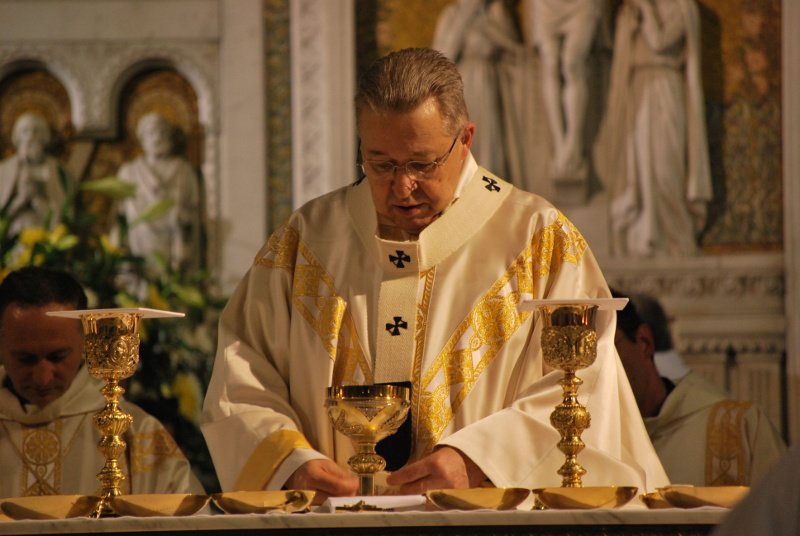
{"points": [[631, 520]]}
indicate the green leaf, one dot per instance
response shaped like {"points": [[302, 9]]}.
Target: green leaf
{"points": [[189, 295], [110, 187], [155, 211], [67, 242]]}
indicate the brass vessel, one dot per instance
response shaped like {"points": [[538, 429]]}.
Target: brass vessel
{"points": [[111, 349], [569, 343], [366, 414]]}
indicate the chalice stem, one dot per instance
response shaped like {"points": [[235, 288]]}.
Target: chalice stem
{"points": [[112, 423], [570, 418], [366, 484]]}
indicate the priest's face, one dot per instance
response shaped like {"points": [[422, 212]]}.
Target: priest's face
{"points": [[41, 354], [412, 163]]}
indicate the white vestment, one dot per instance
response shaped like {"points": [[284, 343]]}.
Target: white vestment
{"points": [[327, 302], [53, 450], [705, 439], [771, 506], [177, 235]]}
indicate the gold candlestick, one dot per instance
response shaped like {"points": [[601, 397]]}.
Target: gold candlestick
{"points": [[112, 354], [366, 414], [569, 343]]}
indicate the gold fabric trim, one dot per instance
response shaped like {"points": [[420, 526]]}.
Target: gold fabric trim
{"points": [[41, 456], [482, 334], [267, 457], [150, 449], [726, 455], [281, 250], [423, 313], [315, 299]]}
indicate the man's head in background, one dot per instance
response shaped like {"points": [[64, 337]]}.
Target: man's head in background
{"points": [[41, 354]]}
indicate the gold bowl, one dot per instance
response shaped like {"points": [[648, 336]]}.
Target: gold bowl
{"points": [[49, 506], [695, 496], [366, 414], [585, 497], [261, 502], [158, 504], [477, 498], [654, 500]]}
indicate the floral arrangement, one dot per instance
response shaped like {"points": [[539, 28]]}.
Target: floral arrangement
{"points": [[175, 355]]}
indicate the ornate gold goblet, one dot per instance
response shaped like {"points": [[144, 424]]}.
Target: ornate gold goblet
{"points": [[569, 343], [112, 353], [366, 414]]}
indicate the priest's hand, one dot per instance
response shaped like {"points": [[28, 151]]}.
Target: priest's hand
{"points": [[446, 467], [325, 477]]}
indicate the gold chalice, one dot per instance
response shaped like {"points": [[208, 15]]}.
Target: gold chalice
{"points": [[569, 343], [366, 414], [111, 349]]}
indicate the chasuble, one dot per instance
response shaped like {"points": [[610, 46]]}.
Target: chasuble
{"points": [[327, 301]]}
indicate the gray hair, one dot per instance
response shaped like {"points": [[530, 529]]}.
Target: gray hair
{"points": [[401, 81]]}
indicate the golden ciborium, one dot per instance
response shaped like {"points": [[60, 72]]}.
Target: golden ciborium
{"points": [[366, 414], [569, 343], [111, 349]]}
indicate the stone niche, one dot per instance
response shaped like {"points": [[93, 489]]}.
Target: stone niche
{"points": [[92, 92]]}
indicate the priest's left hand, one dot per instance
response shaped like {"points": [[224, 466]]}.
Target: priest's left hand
{"points": [[445, 467]]}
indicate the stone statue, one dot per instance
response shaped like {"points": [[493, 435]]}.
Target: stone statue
{"points": [[654, 153], [160, 174], [481, 38], [33, 186], [563, 31]]}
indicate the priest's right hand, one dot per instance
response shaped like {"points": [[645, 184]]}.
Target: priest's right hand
{"points": [[325, 477]]}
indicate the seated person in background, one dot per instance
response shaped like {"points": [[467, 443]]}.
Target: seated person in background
{"points": [[413, 273], [702, 437], [48, 439]]}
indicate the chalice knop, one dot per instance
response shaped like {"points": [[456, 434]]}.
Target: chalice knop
{"points": [[366, 414], [111, 349], [569, 343]]}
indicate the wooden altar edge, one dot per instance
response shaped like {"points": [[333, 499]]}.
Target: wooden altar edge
{"points": [[632, 521]]}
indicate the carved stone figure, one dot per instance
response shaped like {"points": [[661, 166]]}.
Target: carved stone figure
{"points": [[159, 175], [654, 159], [563, 31], [32, 185], [480, 36]]}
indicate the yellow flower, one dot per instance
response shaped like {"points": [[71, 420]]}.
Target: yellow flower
{"points": [[59, 232], [31, 236], [156, 299], [187, 389], [107, 246]]}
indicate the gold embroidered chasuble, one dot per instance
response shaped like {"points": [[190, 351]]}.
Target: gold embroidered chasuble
{"points": [[53, 450], [704, 438], [328, 302]]}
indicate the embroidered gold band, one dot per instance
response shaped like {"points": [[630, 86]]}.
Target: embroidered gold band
{"points": [[267, 457]]}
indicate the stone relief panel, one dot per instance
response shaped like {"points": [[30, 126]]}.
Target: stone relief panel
{"points": [[104, 89], [741, 72]]}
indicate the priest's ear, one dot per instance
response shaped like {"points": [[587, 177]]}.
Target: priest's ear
{"points": [[645, 340]]}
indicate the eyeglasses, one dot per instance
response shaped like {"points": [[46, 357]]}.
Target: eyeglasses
{"points": [[417, 170]]}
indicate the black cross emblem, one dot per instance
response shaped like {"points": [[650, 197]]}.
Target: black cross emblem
{"points": [[491, 184], [395, 328], [399, 259]]}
